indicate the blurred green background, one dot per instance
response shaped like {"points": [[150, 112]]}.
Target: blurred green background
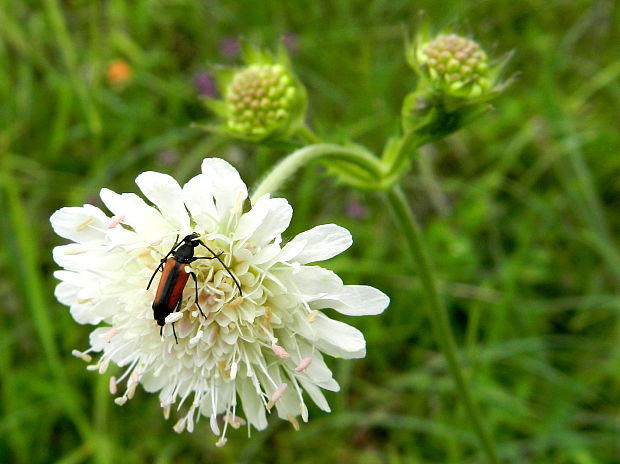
{"points": [[519, 210]]}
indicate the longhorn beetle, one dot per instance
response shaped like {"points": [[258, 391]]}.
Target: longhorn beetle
{"points": [[174, 276]]}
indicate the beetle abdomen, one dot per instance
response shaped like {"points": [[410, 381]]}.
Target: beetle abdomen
{"points": [[170, 288]]}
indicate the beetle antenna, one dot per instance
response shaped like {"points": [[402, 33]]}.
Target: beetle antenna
{"points": [[225, 267]]}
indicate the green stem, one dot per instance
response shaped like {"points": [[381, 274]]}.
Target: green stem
{"points": [[299, 158], [439, 317]]}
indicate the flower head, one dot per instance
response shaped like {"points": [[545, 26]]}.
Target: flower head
{"points": [[455, 63], [456, 80], [258, 348], [261, 100]]}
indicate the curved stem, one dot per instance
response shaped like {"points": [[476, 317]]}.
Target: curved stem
{"points": [[299, 158], [438, 316]]}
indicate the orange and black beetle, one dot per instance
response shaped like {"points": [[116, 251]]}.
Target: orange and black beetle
{"points": [[174, 276]]}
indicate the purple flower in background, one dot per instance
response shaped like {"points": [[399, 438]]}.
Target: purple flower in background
{"points": [[290, 41], [167, 157], [205, 84], [230, 47], [356, 210]]}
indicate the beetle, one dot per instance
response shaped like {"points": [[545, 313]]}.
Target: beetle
{"points": [[175, 275]]}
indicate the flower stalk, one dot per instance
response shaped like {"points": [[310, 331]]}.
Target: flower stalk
{"points": [[440, 323], [403, 215]]}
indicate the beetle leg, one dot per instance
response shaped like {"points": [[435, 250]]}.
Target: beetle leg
{"points": [[217, 256], [163, 260], [176, 310], [196, 287], [158, 268], [176, 340]]}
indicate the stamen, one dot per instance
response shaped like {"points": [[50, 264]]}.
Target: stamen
{"points": [[276, 396], [166, 411], [312, 316], [73, 251], [221, 442], [304, 411], [121, 400], [235, 422], [131, 390], [278, 393], [233, 371], [103, 365], [83, 356], [196, 338], [213, 423], [179, 426], [235, 303], [279, 351], [112, 385], [303, 364], [293, 420], [173, 317], [88, 221], [190, 420], [108, 336], [116, 220], [267, 316]]}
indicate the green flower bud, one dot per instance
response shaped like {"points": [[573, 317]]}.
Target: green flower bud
{"points": [[260, 101], [455, 64], [457, 79]]}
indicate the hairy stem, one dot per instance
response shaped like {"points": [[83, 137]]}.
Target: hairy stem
{"points": [[439, 317], [286, 168]]}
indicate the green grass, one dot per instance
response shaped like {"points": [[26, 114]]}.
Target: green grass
{"points": [[519, 212]]}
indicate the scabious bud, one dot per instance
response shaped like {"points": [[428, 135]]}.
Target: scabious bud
{"points": [[456, 79], [260, 101], [456, 64]]}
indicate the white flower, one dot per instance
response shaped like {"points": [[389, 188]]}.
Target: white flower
{"points": [[253, 350]]}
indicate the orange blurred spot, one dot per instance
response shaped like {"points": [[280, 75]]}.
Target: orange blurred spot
{"points": [[119, 72]]}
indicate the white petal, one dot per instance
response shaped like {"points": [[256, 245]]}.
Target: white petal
{"points": [[316, 394], [339, 339], [151, 384], [291, 250], [66, 293], [251, 404], [275, 222], [93, 312], [198, 198], [250, 221], [228, 189], [78, 257], [318, 371], [97, 338], [354, 300], [165, 193], [144, 219], [321, 243], [266, 254], [311, 282], [81, 224]]}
